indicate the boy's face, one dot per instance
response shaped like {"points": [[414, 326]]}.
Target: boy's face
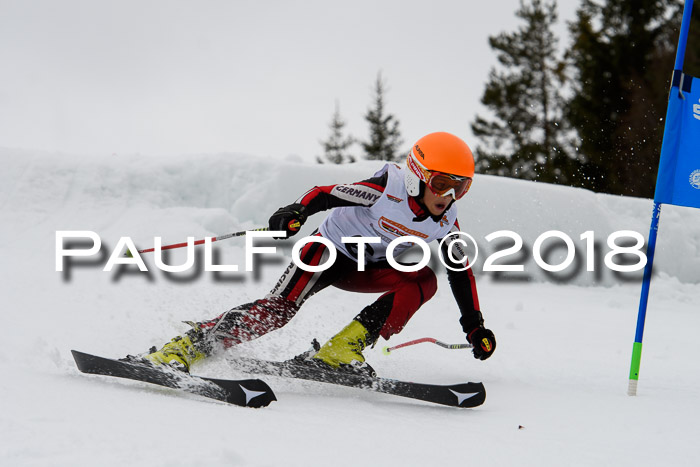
{"points": [[436, 204]]}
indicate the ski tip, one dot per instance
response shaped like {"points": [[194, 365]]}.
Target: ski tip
{"points": [[79, 358]]}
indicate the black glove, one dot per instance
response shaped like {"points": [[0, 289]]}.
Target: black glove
{"points": [[288, 218], [484, 342]]}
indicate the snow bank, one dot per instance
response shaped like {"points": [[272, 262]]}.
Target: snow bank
{"points": [[203, 195]]}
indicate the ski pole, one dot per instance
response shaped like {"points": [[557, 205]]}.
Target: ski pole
{"points": [[388, 350], [199, 242]]}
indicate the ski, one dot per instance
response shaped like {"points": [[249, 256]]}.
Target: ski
{"points": [[455, 395], [246, 392]]}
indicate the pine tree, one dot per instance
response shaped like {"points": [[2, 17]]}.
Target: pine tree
{"points": [[528, 138], [622, 54], [384, 134], [335, 148]]}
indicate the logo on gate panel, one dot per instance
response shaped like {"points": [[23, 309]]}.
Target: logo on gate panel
{"points": [[694, 179]]}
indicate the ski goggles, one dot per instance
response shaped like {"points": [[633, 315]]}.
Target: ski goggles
{"points": [[440, 183], [443, 184]]}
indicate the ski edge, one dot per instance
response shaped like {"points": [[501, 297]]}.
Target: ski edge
{"points": [[460, 395], [253, 393]]}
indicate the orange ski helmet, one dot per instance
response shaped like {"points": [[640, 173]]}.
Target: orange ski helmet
{"points": [[439, 154]]}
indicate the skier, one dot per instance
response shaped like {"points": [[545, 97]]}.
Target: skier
{"points": [[417, 201]]}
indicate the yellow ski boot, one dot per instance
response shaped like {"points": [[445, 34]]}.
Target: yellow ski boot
{"points": [[182, 351], [344, 350]]}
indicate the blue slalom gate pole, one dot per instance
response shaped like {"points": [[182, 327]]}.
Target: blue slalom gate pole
{"points": [[653, 230], [643, 299]]}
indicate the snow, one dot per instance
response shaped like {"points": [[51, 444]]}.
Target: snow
{"points": [[556, 386]]}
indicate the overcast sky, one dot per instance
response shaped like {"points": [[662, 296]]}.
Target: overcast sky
{"points": [[258, 77]]}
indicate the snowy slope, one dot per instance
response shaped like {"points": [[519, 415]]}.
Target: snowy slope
{"points": [[560, 370]]}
